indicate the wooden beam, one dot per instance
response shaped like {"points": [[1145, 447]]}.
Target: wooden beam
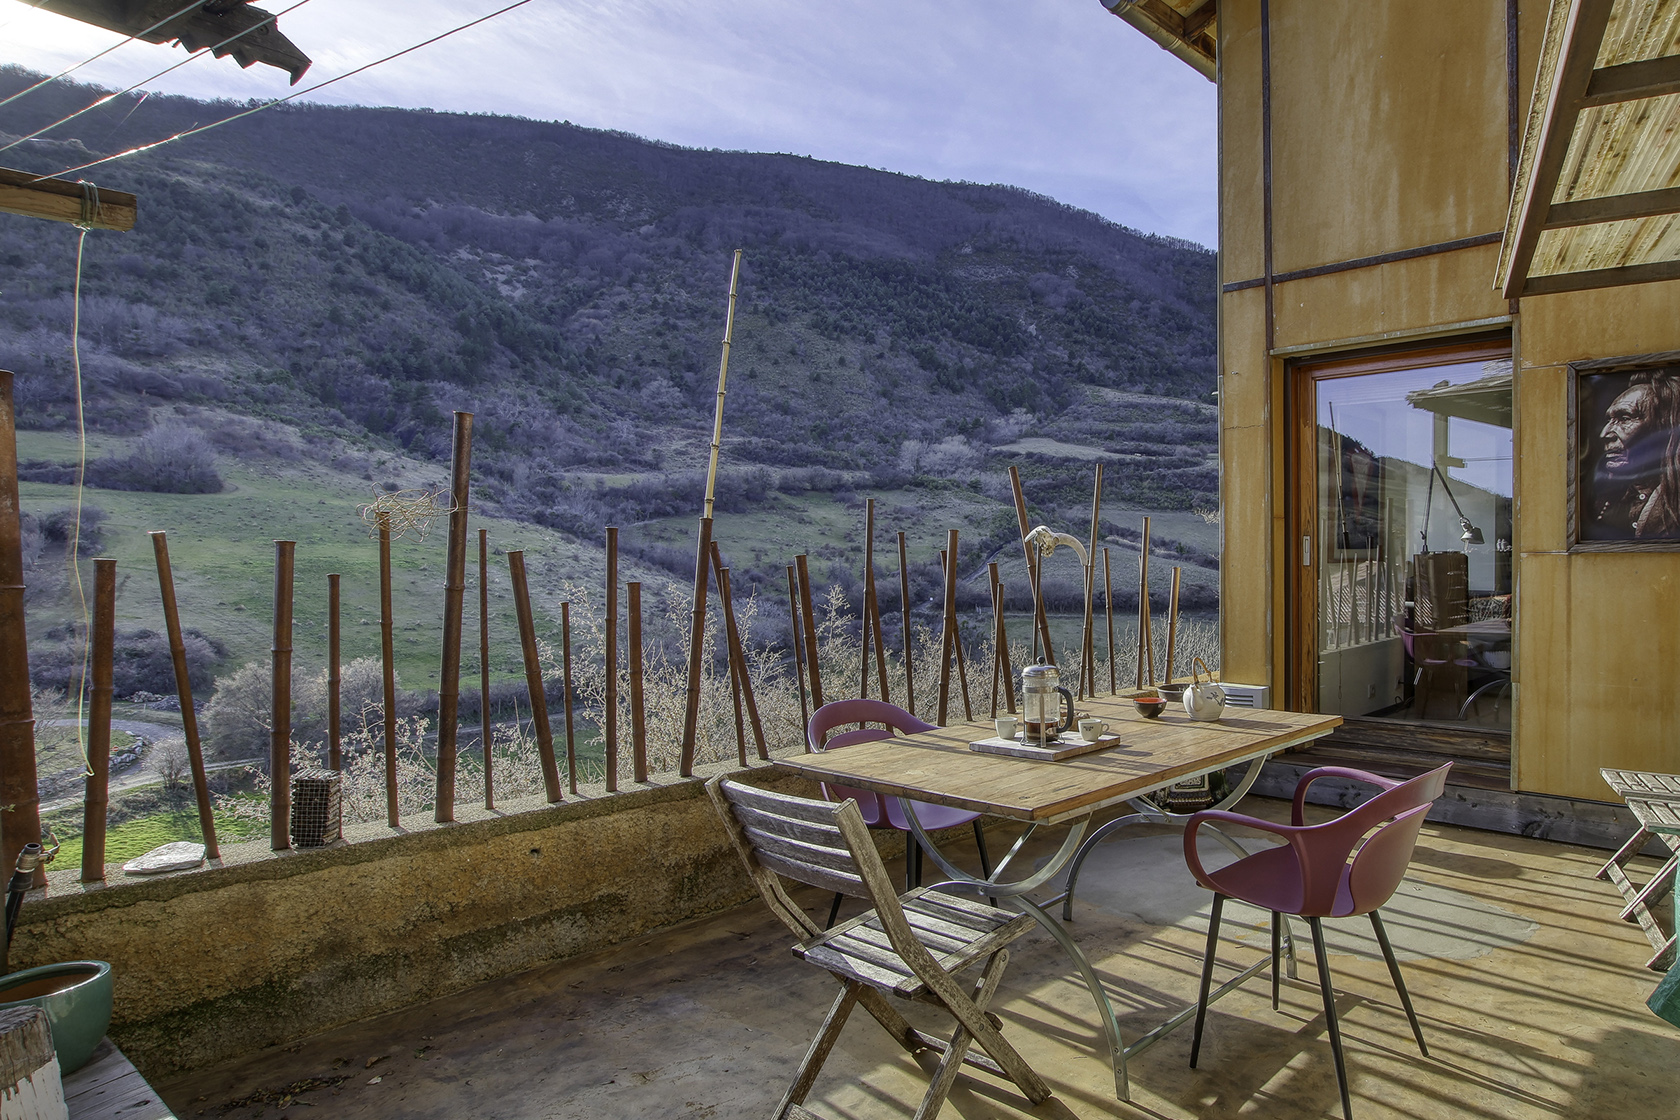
{"points": [[60, 200], [1197, 21], [1631, 81], [1166, 27], [1583, 34], [1614, 208], [1602, 278]]}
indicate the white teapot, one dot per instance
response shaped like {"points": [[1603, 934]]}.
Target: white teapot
{"points": [[1203, 700]]}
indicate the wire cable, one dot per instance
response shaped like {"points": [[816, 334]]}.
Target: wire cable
{"points": [[279, 100], [100, 55], [147, 81], [90, 205]]}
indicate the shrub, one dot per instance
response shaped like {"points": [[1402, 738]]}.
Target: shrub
{"points": [[141, 663], [169, 459]]}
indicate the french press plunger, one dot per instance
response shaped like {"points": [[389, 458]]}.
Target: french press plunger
{"points": [[1040, 706]]}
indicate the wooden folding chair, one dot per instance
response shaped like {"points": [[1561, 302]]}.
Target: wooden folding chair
{"points": [[910, 946]]}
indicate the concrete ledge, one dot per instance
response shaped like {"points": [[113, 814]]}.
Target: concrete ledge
{"points": [[266, 947], [1591, 824]]}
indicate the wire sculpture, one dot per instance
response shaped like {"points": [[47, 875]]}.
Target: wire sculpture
{"points": [[410, 512]]}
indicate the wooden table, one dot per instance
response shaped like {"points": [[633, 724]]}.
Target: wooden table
{"points": [[939, 768], [108, 1087]]}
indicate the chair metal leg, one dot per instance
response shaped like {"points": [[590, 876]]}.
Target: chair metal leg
{"points": [[833, 910], [1330, 1014], [1207, 978], [1399, 984], [985, 857], [1277, 944]]}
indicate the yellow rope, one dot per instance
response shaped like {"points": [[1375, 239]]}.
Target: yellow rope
{"points": [[410, 511]]}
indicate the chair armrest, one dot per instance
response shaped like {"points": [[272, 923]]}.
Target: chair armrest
{"points": [[1298, 815], [1193, 858]]}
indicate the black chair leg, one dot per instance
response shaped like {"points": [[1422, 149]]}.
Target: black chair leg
{"points": [[1399, 984], [1207, 978], [980, 842], [833, 910], [1323, 959], [917, 846], [1277, 950]]}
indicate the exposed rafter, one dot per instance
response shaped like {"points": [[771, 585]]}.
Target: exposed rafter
{"points": [[60, 200], [1191, 37]]}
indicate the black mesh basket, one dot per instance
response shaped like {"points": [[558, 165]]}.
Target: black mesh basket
{"points": [[315, 807]]}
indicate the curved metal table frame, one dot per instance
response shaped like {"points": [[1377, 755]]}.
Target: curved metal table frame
{"points": [[1074, 849]]}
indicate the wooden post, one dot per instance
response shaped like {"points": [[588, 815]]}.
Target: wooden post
{"points": [[566, 683], [1003, 639], [997, 631], [1088, 640], [638, 714], [1146, 636], [388, 656], [533, 675], [872, 610], [1040, 619], [20, 801], [610, 724], [97, 798], [1172, 622], [810, 614], [1108, 606], [738, 657], [953, 643], [485, 738], [454, 591], [334, 713], [904, 605], [280, 737], [798, 638], [183, 693], [722, 575]]}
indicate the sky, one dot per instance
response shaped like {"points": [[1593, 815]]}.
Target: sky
{"points": [[1057, 96]]}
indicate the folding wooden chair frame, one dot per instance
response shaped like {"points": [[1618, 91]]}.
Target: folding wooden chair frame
{"points": [[891, 949]]}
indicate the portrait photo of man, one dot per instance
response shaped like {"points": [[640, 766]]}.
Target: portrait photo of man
{"points": [[1628, 442]]}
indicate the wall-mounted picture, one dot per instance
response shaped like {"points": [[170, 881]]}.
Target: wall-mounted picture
{"points": [[1627, 456]]}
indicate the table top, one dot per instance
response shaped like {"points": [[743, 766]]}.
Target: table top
{"points": [[938, 766], [1654, 799]]}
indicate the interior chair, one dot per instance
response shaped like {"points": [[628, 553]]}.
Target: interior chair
{"points": [[879, 811], [1341, 868], [912, 946]]}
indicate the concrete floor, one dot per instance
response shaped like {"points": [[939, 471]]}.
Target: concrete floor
{"points": [[1530, 991]]}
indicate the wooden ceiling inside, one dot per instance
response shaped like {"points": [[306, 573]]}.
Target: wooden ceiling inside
{"points": [[1186, 28]]}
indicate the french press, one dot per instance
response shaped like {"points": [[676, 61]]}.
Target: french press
{"points": [[1040, 707]]}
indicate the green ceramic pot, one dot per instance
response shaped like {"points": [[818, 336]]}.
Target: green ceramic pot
{"points": [[76, 996]]}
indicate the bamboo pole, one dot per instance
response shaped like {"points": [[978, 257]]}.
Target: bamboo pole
{"points": [[454, 592], [1172, 622], [388, 656], [1146, 638], [485, 739], [872, 609], [280, 735], [1003, 638], [811, 664], [183, 694], [610, 727], [97, 798], [904, 604], [335, 754], [956, 635], [1040, 618], [697, 628], [735, 676], [798, 639], [950, 643], [20, 800], [1108, 606], [1088, 639], [997, 631], [566, 683], [533, 675], [738, 657], [638, 713]]}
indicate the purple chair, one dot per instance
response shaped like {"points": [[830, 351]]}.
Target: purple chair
{"points": [[879, 811], [1348, 866]]}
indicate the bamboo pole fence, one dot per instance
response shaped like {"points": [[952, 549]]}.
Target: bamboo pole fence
{"points": [[388, 666], [812, 668], [1041, 632], [638, 712], [183, 693], [485, 740], [534, 680], [797, 638], [1088, 638], [1172, 623], [335, 745], [1146, 638], [96, 798], [20, 799], [904, 609], [454, 591], [566, 684], [280, 736], [872, 611], [609, 723], [740, 676], [1108, 608], [950, 643]]}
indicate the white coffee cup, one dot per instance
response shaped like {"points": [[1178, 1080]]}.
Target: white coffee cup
{"points": [[1005, 727], [1092, 729]]}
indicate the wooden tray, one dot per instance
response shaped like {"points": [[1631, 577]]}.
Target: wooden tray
{"points": [[1066, 748]]}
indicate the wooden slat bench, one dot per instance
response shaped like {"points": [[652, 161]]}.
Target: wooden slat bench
{"points": [[1654, 801], [108, 1087]]}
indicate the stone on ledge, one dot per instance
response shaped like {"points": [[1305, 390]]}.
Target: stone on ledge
{"points": [[177, 856]]}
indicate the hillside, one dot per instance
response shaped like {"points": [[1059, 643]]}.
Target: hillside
{"points": [[319, 287]]}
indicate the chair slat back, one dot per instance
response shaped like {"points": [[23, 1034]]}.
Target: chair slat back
{"points": [[794, 837]]}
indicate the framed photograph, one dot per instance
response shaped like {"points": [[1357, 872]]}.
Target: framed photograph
{"points": [[1625, 454]]}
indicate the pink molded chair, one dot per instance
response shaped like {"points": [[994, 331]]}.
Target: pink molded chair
{"points": [[879, 811], [1345, 867]]}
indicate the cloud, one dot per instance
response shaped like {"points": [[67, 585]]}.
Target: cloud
{"points": [[1055, 96]]}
